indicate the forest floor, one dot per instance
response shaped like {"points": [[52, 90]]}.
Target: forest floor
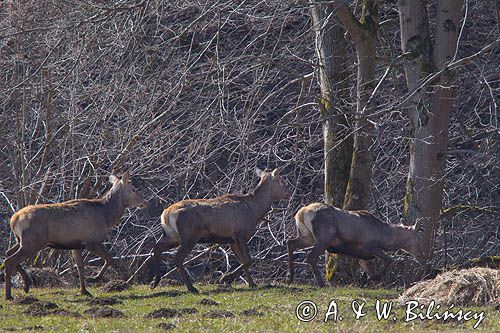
{"points": [[269, 308]]}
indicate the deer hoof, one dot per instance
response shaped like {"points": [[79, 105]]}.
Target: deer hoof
{"points": [[85, 292], [154, 283], [194, 290]]}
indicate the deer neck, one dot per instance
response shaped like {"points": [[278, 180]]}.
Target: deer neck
{"points": [[113, 205], [260, 200], [400, 236]]}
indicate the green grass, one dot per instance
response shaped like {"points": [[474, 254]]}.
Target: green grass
{"points": [[276, 303]]}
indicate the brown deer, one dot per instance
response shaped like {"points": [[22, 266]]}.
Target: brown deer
{"points": [[358, 234], [229, 219], [73, 225]]}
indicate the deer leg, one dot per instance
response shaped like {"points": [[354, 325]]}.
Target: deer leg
{"points": [[241, 252], [77, 255], [26, 278], [247, 262], [365, 265], [179, 258], [161, 246], [229, 276], [292, 245], [100, 251], [11, 264], [379, 254], [312, 260]]}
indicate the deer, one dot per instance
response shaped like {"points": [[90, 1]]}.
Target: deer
{"points": [[357, 234], [71, 225], [229, 219]]}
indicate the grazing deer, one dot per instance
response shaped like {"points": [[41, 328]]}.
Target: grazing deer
{"points": [[358, 234], [229, 219], [73, 225]]}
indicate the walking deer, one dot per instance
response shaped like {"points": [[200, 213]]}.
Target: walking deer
{"points": [[358, 234], [229, 219], [73, 225]]}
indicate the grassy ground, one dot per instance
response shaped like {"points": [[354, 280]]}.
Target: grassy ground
{"points": [[270, 308]]}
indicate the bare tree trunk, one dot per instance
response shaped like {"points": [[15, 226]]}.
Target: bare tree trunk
{"points": [[331, 48], [364, 36], [357, 189], [430, 114]]}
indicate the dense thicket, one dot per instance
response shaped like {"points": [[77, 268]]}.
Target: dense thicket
{"points": [[192, 95]]}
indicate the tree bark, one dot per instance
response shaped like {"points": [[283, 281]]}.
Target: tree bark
{"points": [[331, 49], [358, 187], [364, 36], [430, 112]]}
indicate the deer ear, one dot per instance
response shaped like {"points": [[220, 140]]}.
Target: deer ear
{"points": [[258, 172], [113, 179], [126, 177], [275, 173]]}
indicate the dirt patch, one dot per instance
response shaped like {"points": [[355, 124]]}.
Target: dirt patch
{"points": [[67, 313], [468, 287], [170, 313], [25, 300], [219, 314], [104, 301], [104, 312], [116, 285], [166, 326], [252, 313], [207, 301], [41, 308], [163, 313], [188, 311]]}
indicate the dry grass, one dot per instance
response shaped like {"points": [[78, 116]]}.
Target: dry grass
{"points": [[468, 287]]}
